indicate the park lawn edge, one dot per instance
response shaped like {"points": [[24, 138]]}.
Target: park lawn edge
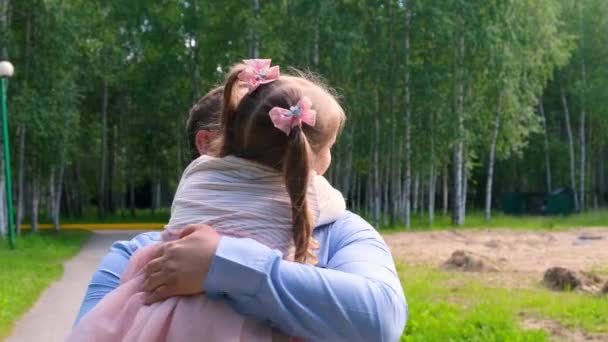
{"points": [[28, 270]]}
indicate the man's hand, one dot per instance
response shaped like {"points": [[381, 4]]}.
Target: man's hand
{"points": [[180, 267]]}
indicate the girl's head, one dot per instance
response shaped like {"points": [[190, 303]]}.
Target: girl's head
{"points": [[247, 131]]}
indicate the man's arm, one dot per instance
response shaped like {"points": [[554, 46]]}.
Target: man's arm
{"points": [[107, 275], [355, 296]]}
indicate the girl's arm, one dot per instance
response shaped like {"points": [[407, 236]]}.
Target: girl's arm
{"points": [[353, 295]]}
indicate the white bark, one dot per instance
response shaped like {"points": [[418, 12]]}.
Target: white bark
{"points": [[376, 162], [431, 196], [541, 109], [57, 196], [101, 197], [457, 217], [35, 200], [358, 200], [20, 186], [582, 117], [570, 147], [157, 194], [397, 182], [131, 190], [491, 158], [255, 46], [408, 115], [5, 18], [416, 193], [601, 174], [421, 193], [465, 189], [385, 191], [583, 158], [446, 189]]}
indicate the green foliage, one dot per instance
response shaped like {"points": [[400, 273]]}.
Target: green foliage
{"points": [[27, 270], [157, 58]]}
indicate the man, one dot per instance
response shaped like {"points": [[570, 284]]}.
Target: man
{"points": [[352, 294]]}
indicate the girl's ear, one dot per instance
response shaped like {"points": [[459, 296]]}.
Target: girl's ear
{"points": [[202, 140]]}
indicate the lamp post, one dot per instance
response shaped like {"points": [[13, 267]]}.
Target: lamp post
{"points": [[6, 71]]}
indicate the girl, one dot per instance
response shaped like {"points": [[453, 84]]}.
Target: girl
{"points": [[263, 183]]}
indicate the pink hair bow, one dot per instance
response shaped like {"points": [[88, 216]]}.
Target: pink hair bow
{"points": [[258, 71], [286, 119]]}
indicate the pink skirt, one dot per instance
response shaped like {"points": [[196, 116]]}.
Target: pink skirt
{"points": [[122, 316]]}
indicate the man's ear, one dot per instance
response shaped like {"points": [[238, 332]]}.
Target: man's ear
{"points": [[202, 140]]}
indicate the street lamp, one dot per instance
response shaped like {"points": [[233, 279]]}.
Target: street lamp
{"points": [[6, 71]]}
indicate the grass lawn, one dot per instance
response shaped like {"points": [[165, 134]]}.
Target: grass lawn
{"points": [[475, 220], [449, 306], [26, 271]]}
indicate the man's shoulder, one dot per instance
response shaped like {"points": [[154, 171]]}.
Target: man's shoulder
{"points": [[348, 227], [129, 247], [351, 222]]}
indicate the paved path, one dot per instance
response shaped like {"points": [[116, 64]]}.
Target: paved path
{"points": [[51, 318]]}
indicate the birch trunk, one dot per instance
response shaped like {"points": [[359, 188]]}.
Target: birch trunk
{"points": [[570, 148], [376, 162], [408, 114], [541, 110], [432, 176], [131, 190], [35, 200], [583, 146], [57, 196], [396, 198], [385, 191], [255, 44], [491, 158], [156, 200], [446, 189], [79, 197], [601, 175], [315, 47], [421, 199], [431, 195], [583, 157], [465, 189], [416, 193], [358, 192], [20, 187], [5, 17], [196, 69], [457, 203], [348, 174], [101, 197]]}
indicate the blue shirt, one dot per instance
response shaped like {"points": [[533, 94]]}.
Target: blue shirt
{"points": [[352, 294]]}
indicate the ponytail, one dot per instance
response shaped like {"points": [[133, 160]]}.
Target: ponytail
{"points": [[228, 117], [296, 170]]}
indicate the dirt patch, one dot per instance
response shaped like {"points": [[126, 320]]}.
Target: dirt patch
{"points": [[516, 253], [558, 332], [469, 262], [563, 279]]}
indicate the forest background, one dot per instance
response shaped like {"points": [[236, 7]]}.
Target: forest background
{"points": [[450, 103]]}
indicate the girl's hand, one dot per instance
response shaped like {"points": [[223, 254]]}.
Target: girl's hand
{"points": [[179, 267]]}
